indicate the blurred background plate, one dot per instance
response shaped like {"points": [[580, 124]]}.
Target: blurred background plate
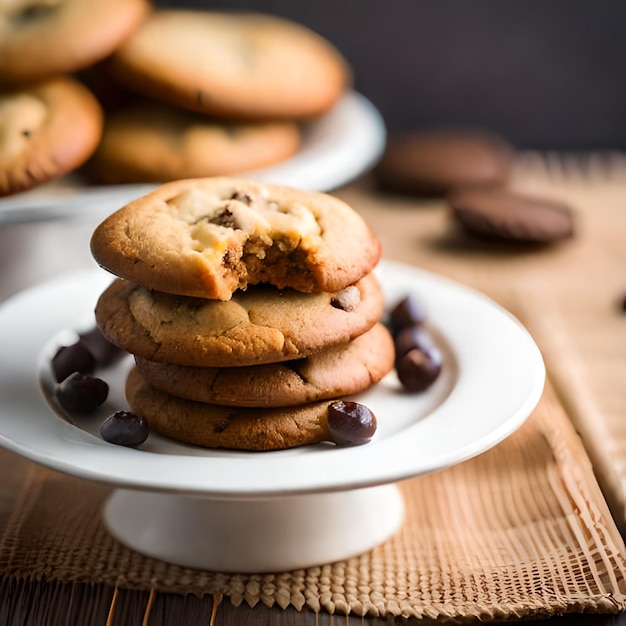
{"points": [[336, 148]]}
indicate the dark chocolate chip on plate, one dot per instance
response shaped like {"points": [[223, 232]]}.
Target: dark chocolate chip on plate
{"points": [[409, 311], [81, 393], [418, 369], [413, 337], [507, 215], [103, 351], [70, 359], [350, 423], [125, 428]]}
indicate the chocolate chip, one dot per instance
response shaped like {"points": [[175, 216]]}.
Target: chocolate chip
{"points": [[413, 337], [74, 358], [408, 312], [350, 423], [104, 352], [124, 428], [242, 196], [81, 393], [222, 426], [225, 218], [347, 299], [417, 369], [507, 215]]}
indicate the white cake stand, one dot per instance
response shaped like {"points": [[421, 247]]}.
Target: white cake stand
{"points": [[259, 512]]}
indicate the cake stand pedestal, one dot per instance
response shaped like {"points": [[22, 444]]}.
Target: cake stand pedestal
{"points": [[254, 535]]}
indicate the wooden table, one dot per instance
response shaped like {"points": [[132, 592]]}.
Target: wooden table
{"points": [[569, 296]]}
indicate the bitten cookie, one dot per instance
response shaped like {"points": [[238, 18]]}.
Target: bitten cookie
{"points": [[210, 237], [260, 325], [46, 130], [40, 39], [152, 142], [340, 370], [233, 65], [438, 161], [235, 428]]}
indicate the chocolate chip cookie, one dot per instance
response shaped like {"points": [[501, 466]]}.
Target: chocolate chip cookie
{"points": [[215, 426], [257, 326], [210, 237], [234, 65], [508, 215], [46, 130], [41, 39], [152, 142], [339, 370]]}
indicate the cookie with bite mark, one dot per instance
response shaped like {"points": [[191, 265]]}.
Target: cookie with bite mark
{"points": [[210, 237], [257, 326], [339, 370], [46, 130]]}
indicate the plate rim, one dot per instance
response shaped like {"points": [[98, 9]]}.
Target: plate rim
{"points": [[103, 454]]}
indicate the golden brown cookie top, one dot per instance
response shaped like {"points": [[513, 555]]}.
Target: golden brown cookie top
{"points": [[210, 237], [235, 65], [40, 39], [46, 130]]}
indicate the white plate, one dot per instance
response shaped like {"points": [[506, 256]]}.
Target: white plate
{"points": [[493, 378], [338, 147]]}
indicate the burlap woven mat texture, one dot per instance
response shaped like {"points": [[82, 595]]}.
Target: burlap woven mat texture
{"points": [[520, 531]]}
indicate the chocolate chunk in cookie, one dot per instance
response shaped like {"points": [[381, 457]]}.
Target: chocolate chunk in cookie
{"points": [[507, 215]]}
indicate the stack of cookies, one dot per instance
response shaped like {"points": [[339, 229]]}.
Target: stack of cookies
{"points": [[249, 309]]}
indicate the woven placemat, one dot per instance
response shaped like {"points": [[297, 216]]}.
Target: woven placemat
{"points": [[520, 531]]}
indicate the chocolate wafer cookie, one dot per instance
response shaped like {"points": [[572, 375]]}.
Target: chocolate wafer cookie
{"points": [[508, 215]]}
